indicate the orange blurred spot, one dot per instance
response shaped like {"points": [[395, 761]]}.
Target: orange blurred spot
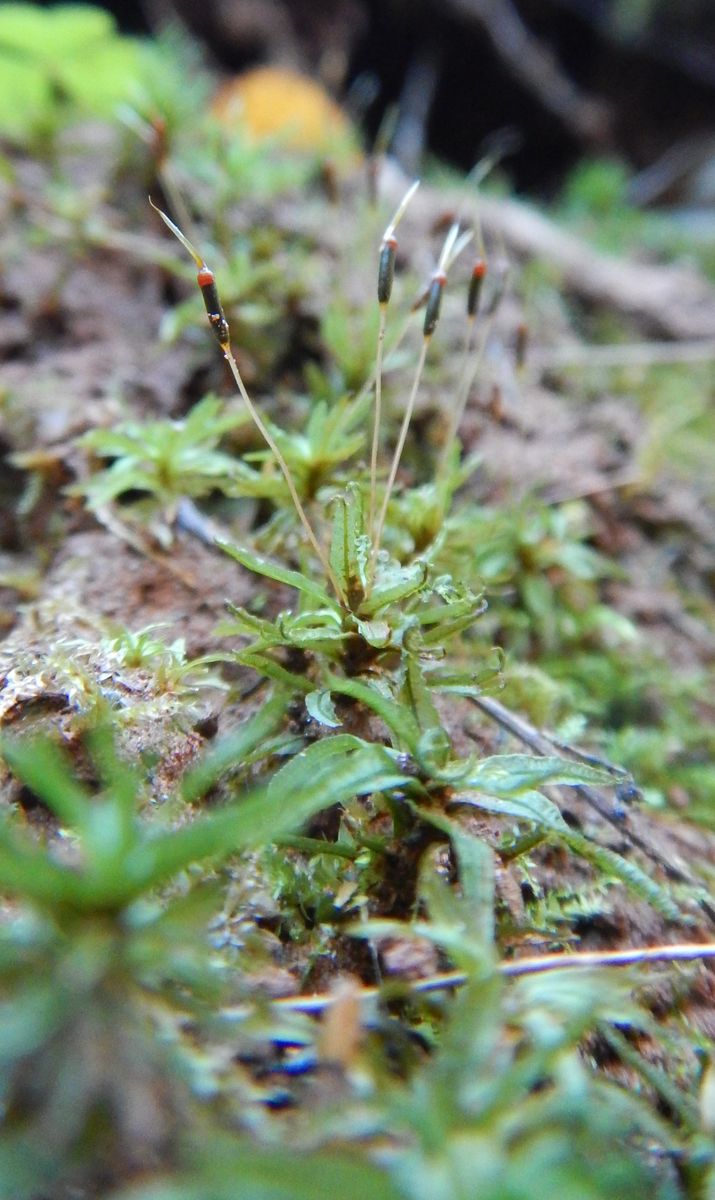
{"points": [[275, 102]]}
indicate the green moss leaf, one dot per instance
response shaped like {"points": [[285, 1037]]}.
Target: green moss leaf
{"points": [[47, 36], [25, 94], [273, 570], [321, 708]]}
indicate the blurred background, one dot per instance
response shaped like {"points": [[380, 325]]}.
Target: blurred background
{"points": [[545, 81]]}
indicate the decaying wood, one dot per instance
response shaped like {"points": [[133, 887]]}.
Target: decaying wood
{"points": [[673, 300]]}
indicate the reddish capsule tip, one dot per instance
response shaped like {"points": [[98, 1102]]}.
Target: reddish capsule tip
{"points": [[205, 277], [479, 270]]}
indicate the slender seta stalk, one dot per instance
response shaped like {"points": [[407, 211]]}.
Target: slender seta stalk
{"points": [[476, 283], [377, 417], [472, 361], [400, 446], [219, 324], [453, 245], [385, 277]]}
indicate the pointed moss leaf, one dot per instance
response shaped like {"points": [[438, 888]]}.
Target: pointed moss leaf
{"points": [[396, 583], [302, 770], [363, 551], [317, 778], [327, 773], [448, 925], [28, 873], [339, 552], [28, 1018], [273, 570], [470, 606], [321, 708], [249, 625], [528, 806], [281, 1176], [440, 634], [475, 860], [534, 807], [347, 548], [115, 68], [311, 631], [433, 750], [375, 633], [42, 768], [252, 822], [230, 752], [627, 872], [397, 717], [418, 692], [25, 97], [507, 773], [111, 827], [273, 670]]}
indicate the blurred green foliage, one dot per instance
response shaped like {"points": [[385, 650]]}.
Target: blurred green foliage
{"points": [[61, 62]]}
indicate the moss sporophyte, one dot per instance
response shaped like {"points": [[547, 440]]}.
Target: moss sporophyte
{"points": [[377, 630], [342, 798], [453, 245]]}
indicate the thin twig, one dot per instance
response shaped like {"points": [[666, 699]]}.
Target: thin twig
{"points": [[539, 741], [685, 952], [541, 744], [138, 542], [536, 67], [635, 354]]}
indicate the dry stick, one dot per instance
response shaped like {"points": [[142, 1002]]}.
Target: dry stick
{"points": [[114, 525], [536, 68], [541, 744], [633, 354], [217, 319], [538, 964]]}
